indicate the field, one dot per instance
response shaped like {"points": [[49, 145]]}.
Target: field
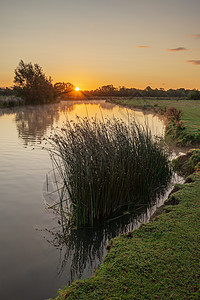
{"points": [[190, 109]]}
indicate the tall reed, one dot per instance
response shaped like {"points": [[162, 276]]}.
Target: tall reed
{"points": [[108, 167]]}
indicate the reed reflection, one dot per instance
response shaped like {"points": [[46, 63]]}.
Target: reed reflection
{"points": [[83, 250]]}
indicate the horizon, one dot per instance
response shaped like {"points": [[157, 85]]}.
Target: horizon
{"points": [[77, 89], [121, 42]]}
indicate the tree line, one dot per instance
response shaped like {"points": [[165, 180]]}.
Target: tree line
{"points": [[32, 85], [110, 90]]}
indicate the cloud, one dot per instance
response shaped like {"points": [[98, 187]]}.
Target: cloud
{"points": [[178, 49], [142, 46], [194, 61], [196, 36]]}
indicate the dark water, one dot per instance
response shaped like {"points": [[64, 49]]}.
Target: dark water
{"points": [[37, 254]]}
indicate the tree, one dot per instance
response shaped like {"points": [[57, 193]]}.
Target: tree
{"points": [[194, 95], [63, 88], [32, 84]]}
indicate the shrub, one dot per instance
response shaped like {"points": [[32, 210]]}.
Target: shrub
{"points": [[174, 114], [186, 164], [107, 167], [175, 127]]}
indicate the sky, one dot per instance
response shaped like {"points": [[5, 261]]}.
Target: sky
{"points": [[90, 43]]}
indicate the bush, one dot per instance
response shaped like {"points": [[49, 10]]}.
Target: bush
{"points": [[10, 101], [107, 167], [186, 164], [175, 128], [174, 114]]}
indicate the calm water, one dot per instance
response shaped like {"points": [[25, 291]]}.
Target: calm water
{"points": [[37, 255]]}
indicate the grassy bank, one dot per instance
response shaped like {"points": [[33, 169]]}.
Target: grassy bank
{"points": [[190, 118], [160, 260]]}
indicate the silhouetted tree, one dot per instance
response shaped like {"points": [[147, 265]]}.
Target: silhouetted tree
{"points": [[32, 84], [63, 88], [108, 88], [194, 95]]}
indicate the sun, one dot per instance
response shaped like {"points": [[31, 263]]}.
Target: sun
{"points": [[77, 89]]}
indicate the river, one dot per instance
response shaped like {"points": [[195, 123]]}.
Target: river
{"points": [[37, 254]]}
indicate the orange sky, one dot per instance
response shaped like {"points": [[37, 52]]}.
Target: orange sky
{"points": [[92, 43]]}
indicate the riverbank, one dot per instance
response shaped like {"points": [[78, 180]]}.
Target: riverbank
{"points": [[188, 134], [160, 260]]}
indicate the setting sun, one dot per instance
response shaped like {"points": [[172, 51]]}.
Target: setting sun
{"points": [[77, 89]]}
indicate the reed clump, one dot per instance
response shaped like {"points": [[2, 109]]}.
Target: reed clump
{"points": [[108, 167]]}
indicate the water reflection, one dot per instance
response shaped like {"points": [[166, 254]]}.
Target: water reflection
{"points": [[34, 259], [82, 250], [33, 122]]}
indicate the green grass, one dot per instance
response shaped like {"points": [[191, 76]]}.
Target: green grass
{"points": [[108, 167], [160, 260], [190, 109]]}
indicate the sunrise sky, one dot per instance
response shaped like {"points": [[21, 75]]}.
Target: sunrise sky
{"points": [[90, 43]]}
